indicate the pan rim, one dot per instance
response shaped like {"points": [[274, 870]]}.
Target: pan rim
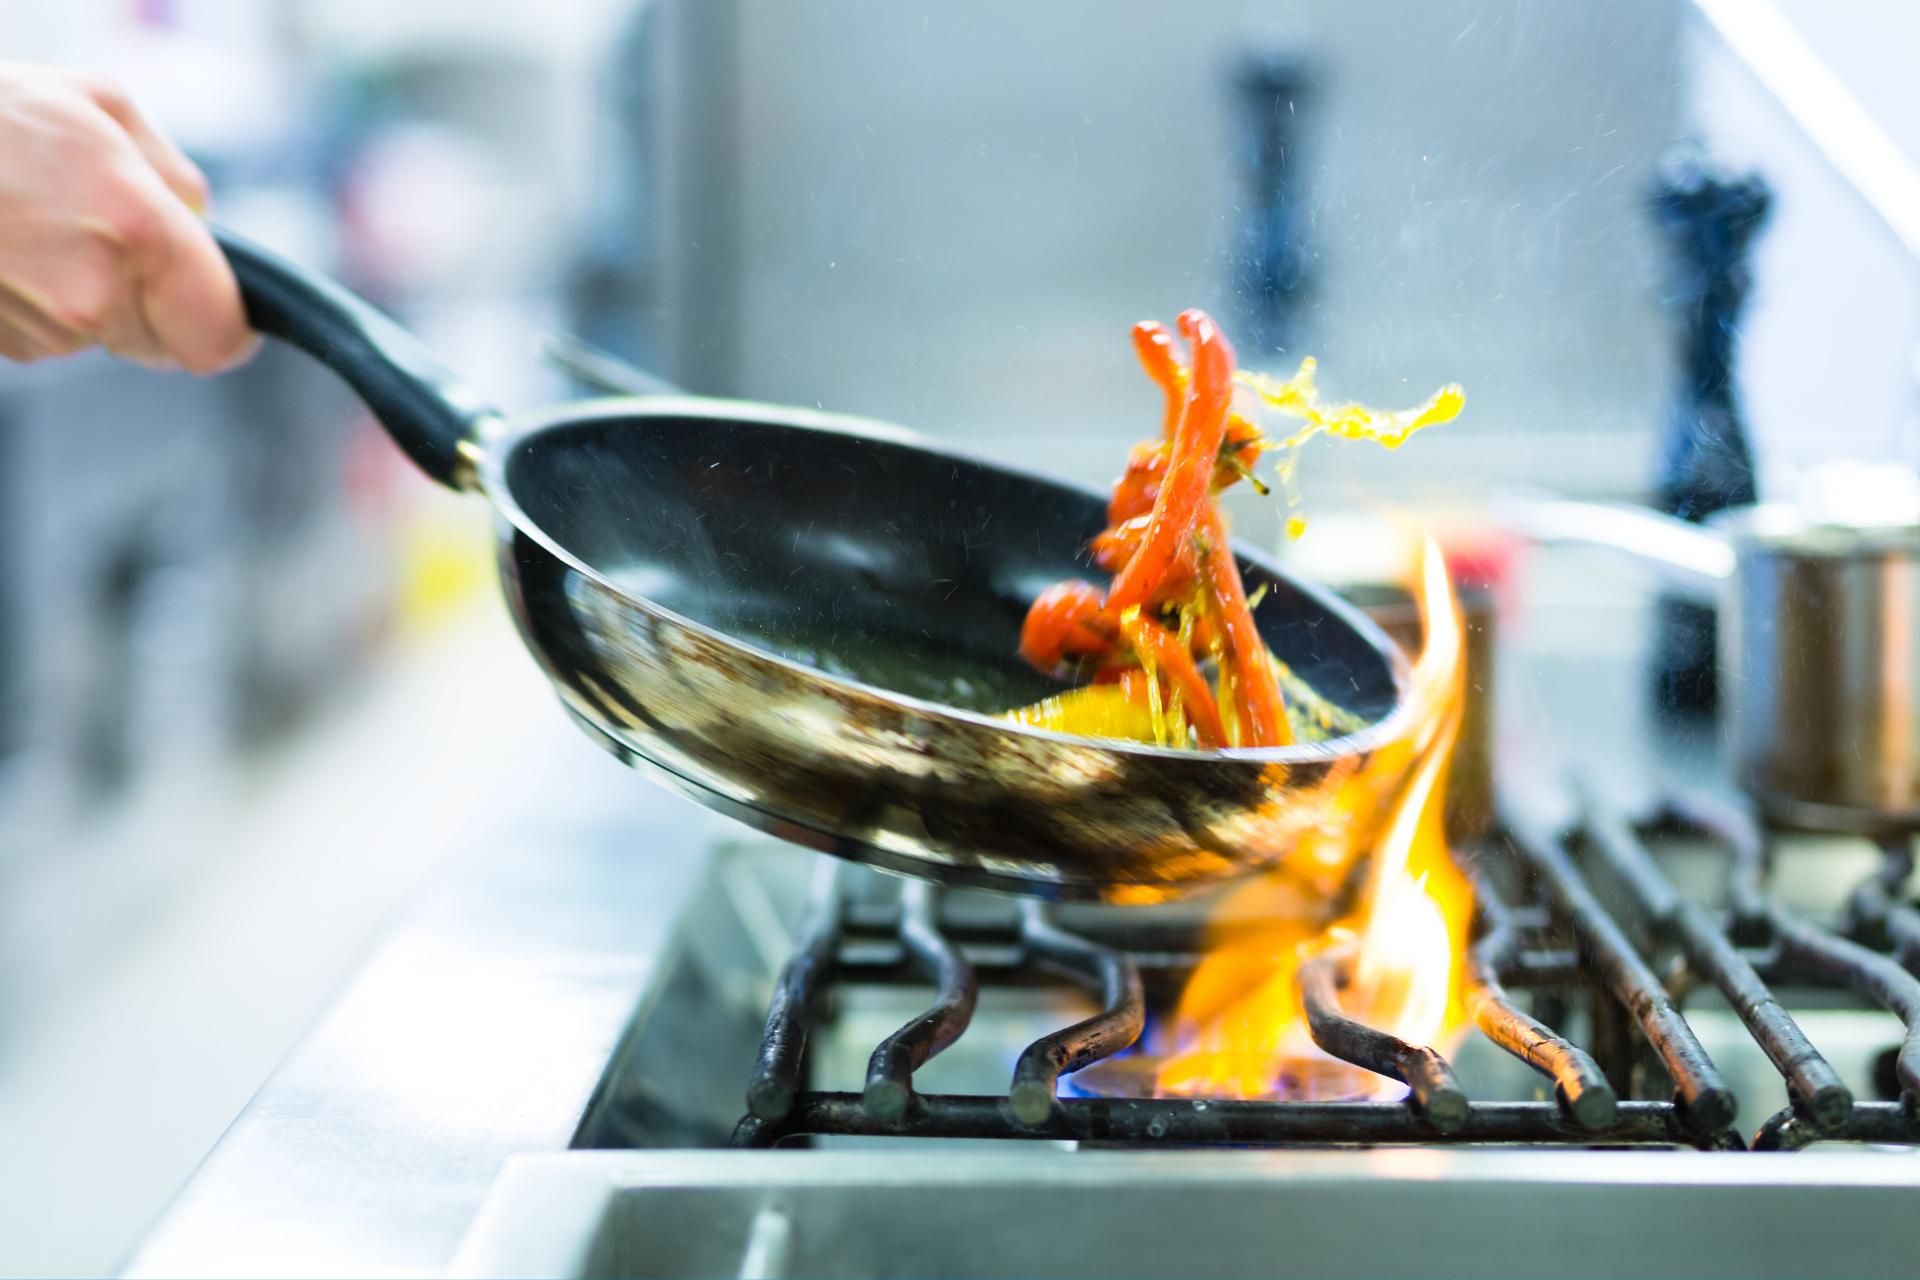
{"points": [[496, 454]]}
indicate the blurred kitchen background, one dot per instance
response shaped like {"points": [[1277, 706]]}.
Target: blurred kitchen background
{"points": [[253, 681]]}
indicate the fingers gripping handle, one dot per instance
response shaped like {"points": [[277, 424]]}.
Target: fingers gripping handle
{"points": [[430, 413]]}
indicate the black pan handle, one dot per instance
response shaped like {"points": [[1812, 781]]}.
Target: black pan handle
{"points": [[430, 412]]}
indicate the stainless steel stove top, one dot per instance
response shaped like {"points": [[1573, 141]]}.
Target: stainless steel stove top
{"points": [[609, 989]]}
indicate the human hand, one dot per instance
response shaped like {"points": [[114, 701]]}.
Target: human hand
{"points": [[101, 242]]}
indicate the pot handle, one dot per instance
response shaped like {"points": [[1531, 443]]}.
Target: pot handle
{"points": [[602, 370], [430, 412], [1693, 560]]}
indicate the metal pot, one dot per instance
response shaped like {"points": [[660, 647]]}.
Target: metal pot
{"points": [[1819, 648]]}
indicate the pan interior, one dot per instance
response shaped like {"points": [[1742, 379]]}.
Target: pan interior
{"points": [[879, 560]]}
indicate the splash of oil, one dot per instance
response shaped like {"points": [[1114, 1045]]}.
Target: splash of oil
{"points": [[1299, 399]]}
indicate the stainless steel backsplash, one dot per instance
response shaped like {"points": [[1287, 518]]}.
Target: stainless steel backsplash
{"points": [[949, 216]]}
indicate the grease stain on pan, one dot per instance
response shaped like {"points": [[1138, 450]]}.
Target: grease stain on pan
{"points": [[993, 804]]}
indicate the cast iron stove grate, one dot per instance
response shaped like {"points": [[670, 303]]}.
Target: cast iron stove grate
{"points": [[1541, 929]]}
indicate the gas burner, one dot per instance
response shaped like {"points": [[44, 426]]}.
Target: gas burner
{"points": [[1549, 954]]}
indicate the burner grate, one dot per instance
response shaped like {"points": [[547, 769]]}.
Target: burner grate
{"points": [[1543, 930]]}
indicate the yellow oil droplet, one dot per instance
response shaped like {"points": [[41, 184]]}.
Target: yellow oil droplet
{"points": [[1298, 398]]}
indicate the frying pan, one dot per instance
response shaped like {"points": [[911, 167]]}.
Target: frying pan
{"points": [[807, 622]]}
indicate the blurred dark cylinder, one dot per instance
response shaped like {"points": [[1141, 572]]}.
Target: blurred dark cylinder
{"points": [[1272, 261], [1709, 220]]}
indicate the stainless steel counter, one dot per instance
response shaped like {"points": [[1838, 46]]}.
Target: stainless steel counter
{"points": [[1113, 1215], [478, 1031]]}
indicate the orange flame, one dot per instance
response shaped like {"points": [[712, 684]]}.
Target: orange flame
{"points": [[1239, 1030]]}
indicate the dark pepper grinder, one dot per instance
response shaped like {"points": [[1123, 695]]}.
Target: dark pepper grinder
{"points": [[1272, 261], [1706, 463]]}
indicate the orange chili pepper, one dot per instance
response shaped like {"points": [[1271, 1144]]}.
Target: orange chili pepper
{"points": [[1114, 548], [1132, 682], [1067, 619], [1257, 702], [1164, 650], [1203, 641], [1154, 345], [1196, 448], [1134, 492]]}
